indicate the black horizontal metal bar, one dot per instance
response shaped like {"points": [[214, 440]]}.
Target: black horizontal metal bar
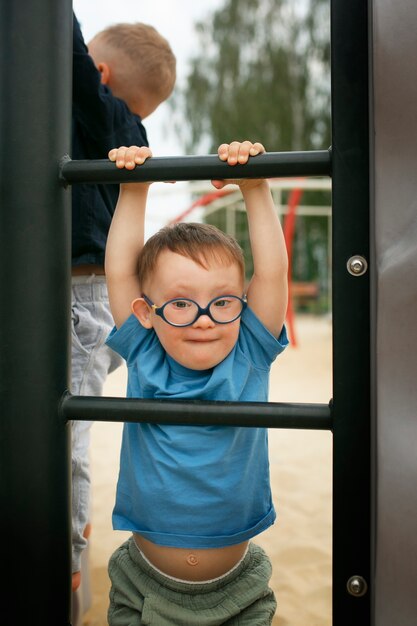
{"points": [[209, 167], [251, 414]]}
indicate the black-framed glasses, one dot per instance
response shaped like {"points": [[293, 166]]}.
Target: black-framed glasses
{"points": [[184, 311]]}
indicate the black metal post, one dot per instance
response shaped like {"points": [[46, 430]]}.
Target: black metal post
{"points": [[351, 314], [270, 165], [35, 60]]}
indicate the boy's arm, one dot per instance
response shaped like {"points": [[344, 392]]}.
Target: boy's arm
{"points": [[268, 289], [126, 236]]}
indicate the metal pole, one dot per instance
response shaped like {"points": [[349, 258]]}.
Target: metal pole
{"points": [[269, 165], [352, 584], [249, 414], [35, 107]]}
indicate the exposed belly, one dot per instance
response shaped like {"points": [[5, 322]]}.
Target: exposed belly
{"points": [[193, 565]]}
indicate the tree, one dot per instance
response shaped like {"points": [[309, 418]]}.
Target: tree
{"points": [[261, 72]]}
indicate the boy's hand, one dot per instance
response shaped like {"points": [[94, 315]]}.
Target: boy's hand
{"points": [[129, 157], [239, 153]]}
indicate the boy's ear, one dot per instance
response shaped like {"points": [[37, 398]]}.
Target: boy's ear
{"points": [[104, 70], [142, 312]]}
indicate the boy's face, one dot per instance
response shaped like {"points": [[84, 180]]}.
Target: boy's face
{"points": [[204, 344]]}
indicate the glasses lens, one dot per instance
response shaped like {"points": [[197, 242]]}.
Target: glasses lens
{"points": [[180, 312], [226, 309]]}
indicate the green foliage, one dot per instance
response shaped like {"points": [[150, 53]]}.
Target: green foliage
{"points": [[261, 71]]}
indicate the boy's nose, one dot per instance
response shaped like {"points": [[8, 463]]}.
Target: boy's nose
{"points": [[204, 321]]}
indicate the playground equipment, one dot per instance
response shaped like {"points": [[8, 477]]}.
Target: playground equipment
{"points": [[289, 229], [374, 508]]}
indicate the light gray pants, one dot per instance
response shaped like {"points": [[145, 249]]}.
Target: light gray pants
{"points": [[92, 361]]}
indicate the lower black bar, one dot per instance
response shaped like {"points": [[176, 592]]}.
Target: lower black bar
{"points": [[251, 414], [209, 167]]}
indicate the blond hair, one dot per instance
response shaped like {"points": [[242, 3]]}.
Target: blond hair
{"points": [[141, 60], [203, 243]]}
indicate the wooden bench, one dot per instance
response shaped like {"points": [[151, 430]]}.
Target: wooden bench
{"points": [[304, 292]]}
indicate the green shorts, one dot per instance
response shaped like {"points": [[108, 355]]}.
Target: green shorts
{"points": [[142, 595]]}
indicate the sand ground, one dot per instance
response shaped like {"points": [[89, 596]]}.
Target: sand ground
{"points": [[299, 543]]}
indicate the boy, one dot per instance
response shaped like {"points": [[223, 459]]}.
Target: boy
{"points": [[126, 72], [193, 496]]}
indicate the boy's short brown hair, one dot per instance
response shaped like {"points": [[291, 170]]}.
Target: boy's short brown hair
{"points": [[141, 58], [200, 242]]}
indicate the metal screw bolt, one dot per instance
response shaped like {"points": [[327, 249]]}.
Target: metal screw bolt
{"points": [[357, 265], [356, 586]]}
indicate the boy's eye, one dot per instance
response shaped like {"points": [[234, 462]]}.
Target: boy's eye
{"points": [[221, 303], [181, 304]]}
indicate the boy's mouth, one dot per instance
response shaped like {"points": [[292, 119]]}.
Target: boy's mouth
{"points": [[202, 339]]}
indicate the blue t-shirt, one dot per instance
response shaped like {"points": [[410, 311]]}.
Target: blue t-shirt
{"points": [[195, 486]]}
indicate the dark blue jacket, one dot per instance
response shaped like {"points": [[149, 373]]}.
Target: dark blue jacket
{"points": [[99, 122]]}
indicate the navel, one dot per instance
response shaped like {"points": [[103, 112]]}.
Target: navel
{"points": [[192, 559]]}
